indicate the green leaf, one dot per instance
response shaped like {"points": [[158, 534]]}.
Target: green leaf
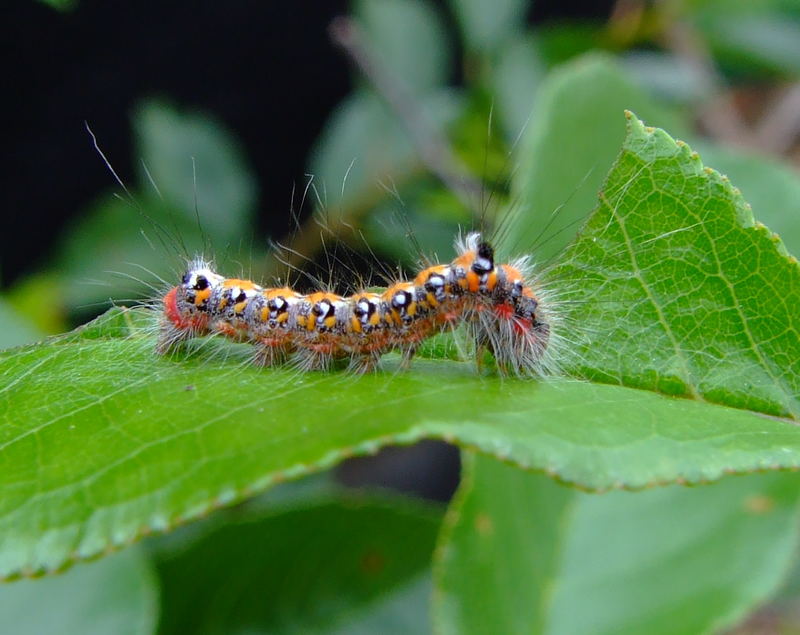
{"points": [[514, 82], [560, 42], [404, 610], [360, 145], [364, 145], [781, 610], [14, 329], [692, 297], [772, 188], [101, 441], [127, 243], [521, 554], [60, 5], [116, 595], [748, 38], [364, 148], [317, 567], [408, 40], [25, 297], [568, 148], [112, 253], [428, 213], [196, 164], [669, 77], [486, 24]]}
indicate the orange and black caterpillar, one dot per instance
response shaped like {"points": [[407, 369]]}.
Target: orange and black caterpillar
{"points": [[496, 302]]}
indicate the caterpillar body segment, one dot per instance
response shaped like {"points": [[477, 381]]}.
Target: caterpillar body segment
{"points": [[228, 304], [496, 302], [271, 318]]}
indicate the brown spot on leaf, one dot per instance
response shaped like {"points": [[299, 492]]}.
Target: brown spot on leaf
{"points": [[758, 504], [483, 524], [373, 562]]}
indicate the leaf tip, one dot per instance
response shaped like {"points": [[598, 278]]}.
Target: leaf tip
{"points": [[634, 124]]}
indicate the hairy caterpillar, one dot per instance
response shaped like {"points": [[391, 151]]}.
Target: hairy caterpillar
{"points": [[497, 303], [501, 307]]}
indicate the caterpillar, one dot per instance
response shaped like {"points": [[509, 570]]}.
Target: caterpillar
{"points": [[499, 305], [502, 307]]}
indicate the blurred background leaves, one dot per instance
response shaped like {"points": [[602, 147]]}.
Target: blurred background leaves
{"points": [[243, 130]]}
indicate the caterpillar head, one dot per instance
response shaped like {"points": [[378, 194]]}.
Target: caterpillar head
{"points": [[186, 306]]}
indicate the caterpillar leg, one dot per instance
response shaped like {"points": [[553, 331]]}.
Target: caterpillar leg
{"points": [[233, 332], [408, 353], [364, 363], [170, 336], [313, 358], [270, 352], [480, 350]]}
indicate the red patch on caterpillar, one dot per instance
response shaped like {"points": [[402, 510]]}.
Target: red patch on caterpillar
{"points": [[194, 323], [522, 325], [504, 311]]}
